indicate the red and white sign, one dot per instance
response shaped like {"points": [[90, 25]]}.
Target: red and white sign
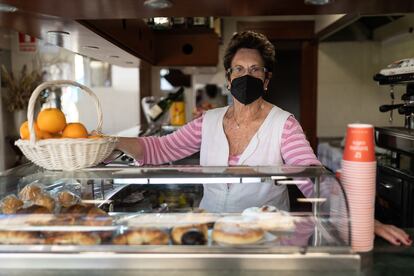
{"points": [[27, 43]]}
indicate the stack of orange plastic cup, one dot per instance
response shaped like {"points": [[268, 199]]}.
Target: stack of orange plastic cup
{"points": [[358, 176]]}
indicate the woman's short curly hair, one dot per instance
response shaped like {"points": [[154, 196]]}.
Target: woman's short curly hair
{"points": [[250, 40]]}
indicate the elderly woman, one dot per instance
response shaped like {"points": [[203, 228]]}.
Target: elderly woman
{"points": [[250, 132]]}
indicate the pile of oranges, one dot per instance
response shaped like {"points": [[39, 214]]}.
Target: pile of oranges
{"points": [[51, 124]]}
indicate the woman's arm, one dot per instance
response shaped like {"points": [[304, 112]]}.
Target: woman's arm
{"points": [[159, 150], [296, 150]]}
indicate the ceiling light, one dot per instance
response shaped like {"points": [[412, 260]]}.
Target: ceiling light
{"points": [[157, 4], [317, 2], [91, 47], [58, 38], [7, 8]]}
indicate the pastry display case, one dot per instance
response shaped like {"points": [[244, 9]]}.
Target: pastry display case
{"points": [[153, 218]]}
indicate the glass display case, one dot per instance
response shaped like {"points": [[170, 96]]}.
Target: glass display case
{"points": [[161, 218]]}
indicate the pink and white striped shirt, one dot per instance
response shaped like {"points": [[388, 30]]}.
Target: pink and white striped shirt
{"points": [[295, 149]]}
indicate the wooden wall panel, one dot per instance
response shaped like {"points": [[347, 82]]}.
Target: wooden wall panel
{"points": [[171, 47], [289, 30]]}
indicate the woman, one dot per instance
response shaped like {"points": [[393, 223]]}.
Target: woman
{"points": [[250, 132]]}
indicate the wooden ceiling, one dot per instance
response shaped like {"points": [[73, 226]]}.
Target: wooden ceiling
{"points": [[113, 25], [130, 9]]}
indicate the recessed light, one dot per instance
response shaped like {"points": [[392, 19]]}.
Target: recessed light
{"points": [[158, 4], [58, 32], [58, 38], [114, 56], [129, 62], [317, 2], [7, 8], [91, 47]]}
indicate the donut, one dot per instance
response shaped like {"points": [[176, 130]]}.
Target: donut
{"points": [[10, 204], [143, 236], [178, 231], [237, 230]]}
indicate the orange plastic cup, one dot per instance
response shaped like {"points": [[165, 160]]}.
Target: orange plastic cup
{"points": [[359, 143]]}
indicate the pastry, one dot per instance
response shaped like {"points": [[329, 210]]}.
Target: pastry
{"points": [[270, 218], [73, 215], [178, 231], [97, 217], [36, 215], [10, 204], [66, 198], [46, 201], [74, 238], [237, 230], [30, 192], [143, 236], [20, 237], [33, 209], [193, 237]]}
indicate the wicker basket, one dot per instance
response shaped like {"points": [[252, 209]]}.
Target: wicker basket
{"points": [[65, 153]]}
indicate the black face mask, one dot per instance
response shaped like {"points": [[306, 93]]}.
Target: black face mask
{"points": [[247, 89]]}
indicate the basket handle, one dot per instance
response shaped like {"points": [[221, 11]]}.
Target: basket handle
{"points": [[59, 83]]}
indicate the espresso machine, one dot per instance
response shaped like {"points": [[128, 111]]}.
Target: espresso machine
{"points": [[395, 172]]}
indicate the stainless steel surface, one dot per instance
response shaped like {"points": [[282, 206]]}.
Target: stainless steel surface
{"points": [[395, 138], [240, 262]]}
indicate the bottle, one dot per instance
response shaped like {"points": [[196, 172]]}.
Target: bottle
{"points": [[157, 110], [177, 112]]}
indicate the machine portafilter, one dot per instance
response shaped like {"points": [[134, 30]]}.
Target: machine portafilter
{"points": [[406, 109]]}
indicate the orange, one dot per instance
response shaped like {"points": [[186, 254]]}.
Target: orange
{"points": [[45, 135], [75, 130], [25, 133], [51, 120], [57, 135]]}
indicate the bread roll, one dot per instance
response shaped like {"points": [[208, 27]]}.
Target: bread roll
{"points": [[10, 204], [30, 192], [143, 236]]}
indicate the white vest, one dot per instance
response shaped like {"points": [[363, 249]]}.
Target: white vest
{"points": [[262, 150]]}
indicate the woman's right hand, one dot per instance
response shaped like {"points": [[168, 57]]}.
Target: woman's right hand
{"points": [[392, 234], [131, 146]]}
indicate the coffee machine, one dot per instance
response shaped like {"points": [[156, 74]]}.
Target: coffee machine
{"points": [[395, 172]]}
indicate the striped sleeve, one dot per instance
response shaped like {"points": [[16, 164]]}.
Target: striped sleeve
{"points": [[296, 150], [177, 145]]}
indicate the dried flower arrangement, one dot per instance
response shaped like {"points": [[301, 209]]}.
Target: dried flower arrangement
{"points": [[18, 90]]}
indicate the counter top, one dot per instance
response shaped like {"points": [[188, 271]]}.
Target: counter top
{"points": [[385, 259]]}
